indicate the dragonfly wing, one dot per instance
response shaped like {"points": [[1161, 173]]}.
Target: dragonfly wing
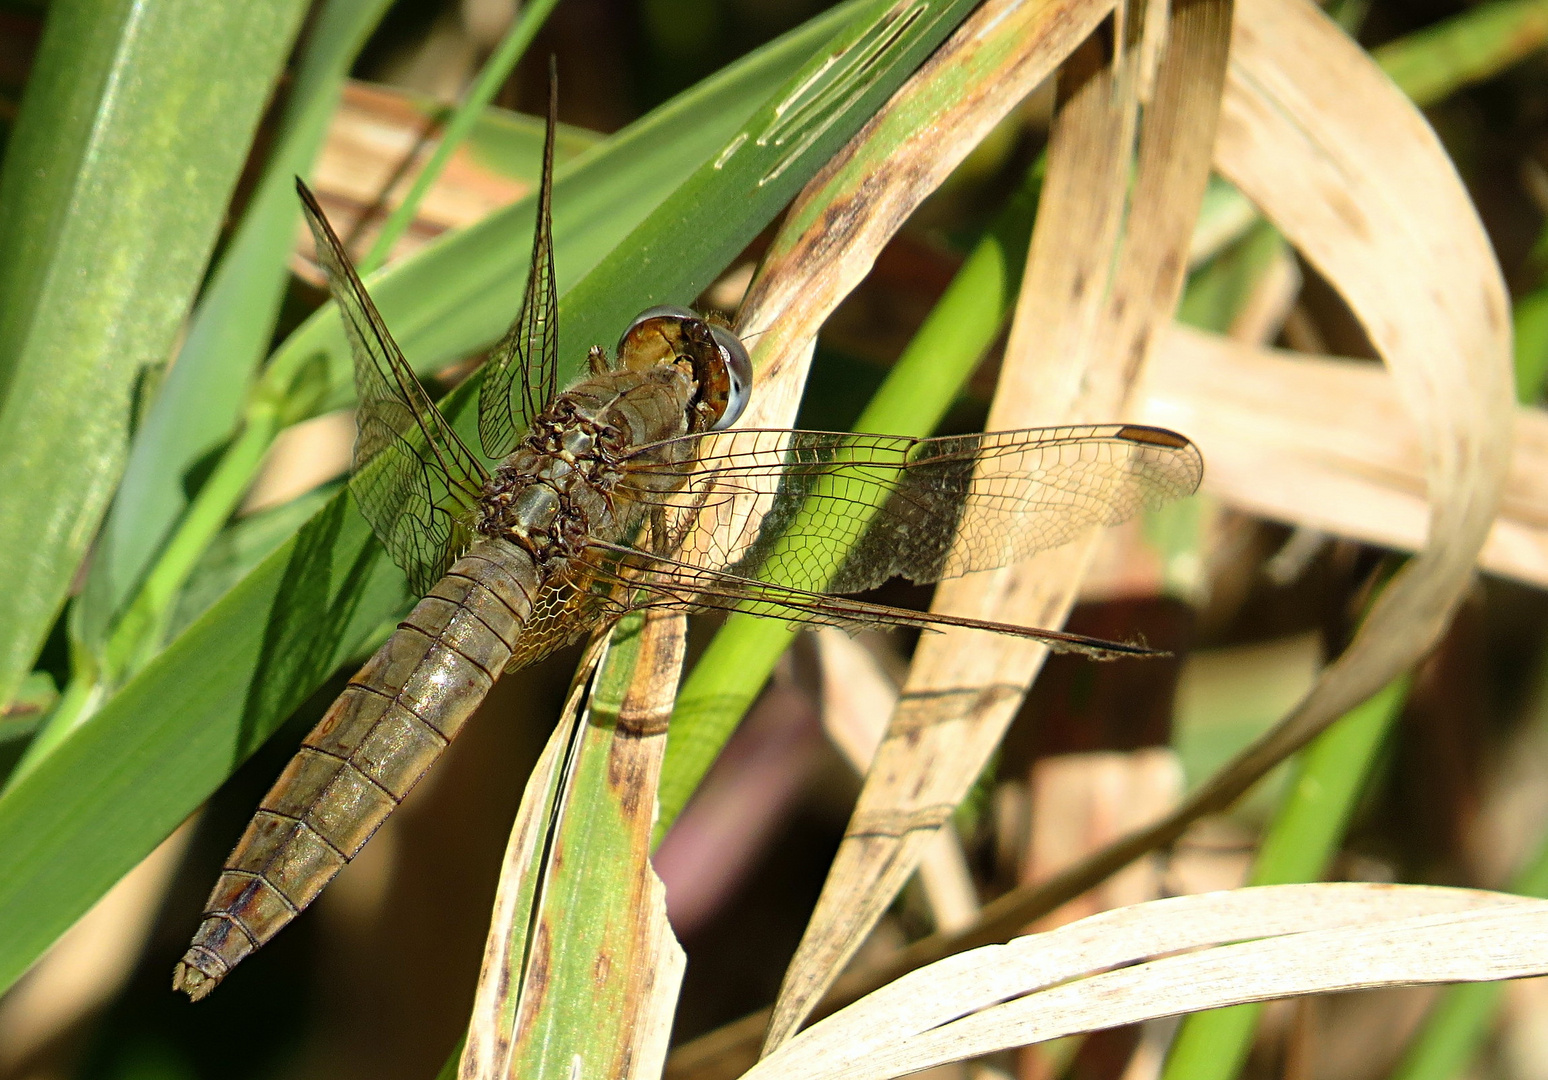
{"points": [[651, 581], [415, 480], [838, 512], [566, 608], [525, 363]]}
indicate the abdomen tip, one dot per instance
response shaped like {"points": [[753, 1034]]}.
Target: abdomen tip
{"points": [[191, 980]]}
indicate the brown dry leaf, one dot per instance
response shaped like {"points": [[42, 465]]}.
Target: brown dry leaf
{"points": [[1090, 304], [1083, 802], [857, 698], [1348, 170], [1253, 944], [1326, 442]]}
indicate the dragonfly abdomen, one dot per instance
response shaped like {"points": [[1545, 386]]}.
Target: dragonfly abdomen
{"points": [[382, 734]]}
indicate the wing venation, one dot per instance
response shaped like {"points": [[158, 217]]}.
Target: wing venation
{"points": [[414, 479], [835, 512], [526, 360]]}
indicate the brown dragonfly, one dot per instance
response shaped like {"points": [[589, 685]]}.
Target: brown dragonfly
{"points": [[628, 490]]}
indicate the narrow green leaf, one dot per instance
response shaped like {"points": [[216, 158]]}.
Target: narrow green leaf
{"points": [[229, 333], [136, 122], [1435, 62], [580, 999]]}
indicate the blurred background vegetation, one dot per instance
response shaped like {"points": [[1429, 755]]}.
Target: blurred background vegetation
{"points": [[1446, 782]]}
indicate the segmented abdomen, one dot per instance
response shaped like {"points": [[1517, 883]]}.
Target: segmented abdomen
{"points": [[381, 735]]}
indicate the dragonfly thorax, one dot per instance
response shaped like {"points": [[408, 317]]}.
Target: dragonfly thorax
{"points": [[556, 492]]}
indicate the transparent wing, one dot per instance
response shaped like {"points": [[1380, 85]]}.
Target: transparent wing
{"points": [[565, 609], [652, 581], [415, 481], [525, 362], [834, 512]]}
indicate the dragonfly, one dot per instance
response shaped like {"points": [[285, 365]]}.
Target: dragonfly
{"points": [[632, 489]]}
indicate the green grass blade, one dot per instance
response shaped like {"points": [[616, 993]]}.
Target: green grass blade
{"points": [[597, 905], [230, 331], [1304, 836], [124, 779], [1531, 339], [136, 122], [1432, 63], [497, 69]]}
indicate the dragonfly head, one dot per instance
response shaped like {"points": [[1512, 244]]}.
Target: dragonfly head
{"points": [[716, 357]]}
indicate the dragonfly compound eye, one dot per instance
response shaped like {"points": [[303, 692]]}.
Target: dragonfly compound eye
{"points": [[738, 371], [651, 336]]}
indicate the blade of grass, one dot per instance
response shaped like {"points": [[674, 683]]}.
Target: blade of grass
{"points": [[99, 260], [485, 1047], [1330, 776], [1477, 44], [128, 775], [229, 333], [497, 69], [597, 984]]}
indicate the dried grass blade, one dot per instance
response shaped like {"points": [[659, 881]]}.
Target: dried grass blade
{"points": [[1253, 944], [1082, 329], [1366, 192], [857, 699], [1325, 442]]}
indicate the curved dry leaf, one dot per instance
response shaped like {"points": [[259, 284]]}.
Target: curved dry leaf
{"points": [[1368, 194], [1253, 944], [857, 698], [1347, 169], [1097, 289], [1325, 442]]}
